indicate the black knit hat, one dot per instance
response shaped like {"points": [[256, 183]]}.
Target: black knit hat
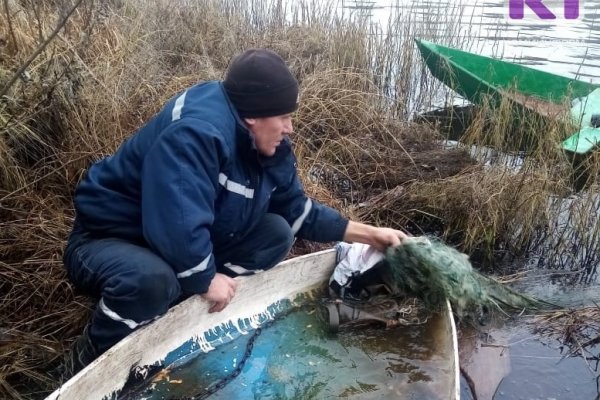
{"points": [[259, 84]]}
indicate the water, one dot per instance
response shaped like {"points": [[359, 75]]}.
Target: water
{"points": [[521, 365], [297, 358], [540, 370], [565, 47]]}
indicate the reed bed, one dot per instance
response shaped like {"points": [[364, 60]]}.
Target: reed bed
{"points": [[113, 63]]}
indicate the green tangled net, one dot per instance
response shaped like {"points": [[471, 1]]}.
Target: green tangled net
{"points": [[432, 271]]}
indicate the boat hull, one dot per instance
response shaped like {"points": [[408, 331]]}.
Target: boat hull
{"points": [[475, 76], [530, 92], [188, 328]]}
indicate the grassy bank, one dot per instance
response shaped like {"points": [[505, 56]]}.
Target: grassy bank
{"points": [[114, 63]]}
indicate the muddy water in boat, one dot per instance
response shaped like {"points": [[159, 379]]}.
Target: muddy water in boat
{"points": [[297, 358]]}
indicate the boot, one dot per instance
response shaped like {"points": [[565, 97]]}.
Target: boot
{"points": [[82, 353], [339, 313]]}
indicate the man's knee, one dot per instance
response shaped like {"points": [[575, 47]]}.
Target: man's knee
{"points": [[130, 301], [280, 240], [156, 289], [262, 248], [282, 234]]}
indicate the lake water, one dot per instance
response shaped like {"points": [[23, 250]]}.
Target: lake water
{"points": [[565, 47]]}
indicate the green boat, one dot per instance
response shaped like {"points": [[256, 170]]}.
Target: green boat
{"points": [[483, 79]]}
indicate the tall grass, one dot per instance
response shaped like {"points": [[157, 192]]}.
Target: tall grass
{"points": [[115, 62]]}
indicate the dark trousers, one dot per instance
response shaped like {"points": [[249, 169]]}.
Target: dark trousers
{"points": [[134, 285]]}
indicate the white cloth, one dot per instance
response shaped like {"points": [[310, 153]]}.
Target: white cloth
{"points": [[352, 259]]}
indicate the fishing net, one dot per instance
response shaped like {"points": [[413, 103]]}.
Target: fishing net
{"points": [[434, 272]]}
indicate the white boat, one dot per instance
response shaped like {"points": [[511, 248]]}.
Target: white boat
{"points": [[188, 329]]}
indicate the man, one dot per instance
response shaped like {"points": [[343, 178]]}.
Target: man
{"points": [[205, 191]]}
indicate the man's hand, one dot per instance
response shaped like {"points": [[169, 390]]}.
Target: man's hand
{"points": [[387, 237], [380, 238], [220, 292]]}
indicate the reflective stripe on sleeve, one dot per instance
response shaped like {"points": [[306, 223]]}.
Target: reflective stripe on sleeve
{"points": [[300, 220], [178, 107], [198, 268], [238, 269]]}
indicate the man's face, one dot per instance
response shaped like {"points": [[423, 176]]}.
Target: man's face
{"points": [[268, 132]]}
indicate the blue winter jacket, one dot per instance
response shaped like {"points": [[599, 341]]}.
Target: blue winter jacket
{"points": [[191, 178]]}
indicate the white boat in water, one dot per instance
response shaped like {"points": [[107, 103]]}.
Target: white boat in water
{"points": [[188, 330]]}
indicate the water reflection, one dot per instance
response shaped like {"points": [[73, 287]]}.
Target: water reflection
{"points": [[565, 47]]}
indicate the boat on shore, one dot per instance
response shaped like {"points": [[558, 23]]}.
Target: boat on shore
{"points": [[188, 330], [485, 80]]}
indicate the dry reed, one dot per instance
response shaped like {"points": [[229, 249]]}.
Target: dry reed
{"points": [[578, 330]]}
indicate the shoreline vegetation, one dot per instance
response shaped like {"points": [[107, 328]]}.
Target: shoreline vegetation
{"points": [[113, 63]]}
